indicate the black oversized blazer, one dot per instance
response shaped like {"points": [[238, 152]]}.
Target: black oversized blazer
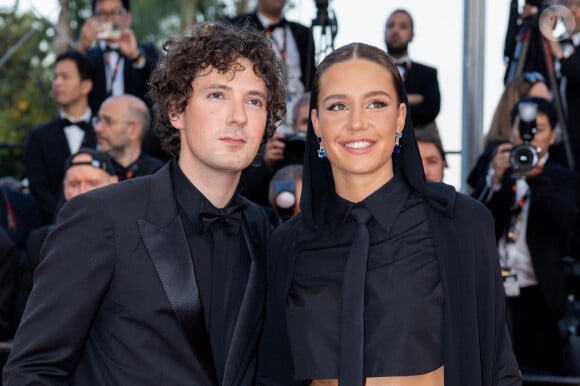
{"points": [[115, 299]]}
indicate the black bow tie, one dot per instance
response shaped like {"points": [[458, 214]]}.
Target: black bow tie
{"points": [[85, 125], [89, 139], [230, 217], [280, 24]]}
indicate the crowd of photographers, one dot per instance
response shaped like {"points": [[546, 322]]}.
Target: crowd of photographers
{"points": [[527, 177]]}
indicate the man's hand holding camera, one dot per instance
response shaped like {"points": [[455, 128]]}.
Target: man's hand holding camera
{"points": [[274, 153], [501, 162], [115, 34]]}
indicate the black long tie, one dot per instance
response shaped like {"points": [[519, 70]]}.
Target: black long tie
{"points": [[352, 332]]}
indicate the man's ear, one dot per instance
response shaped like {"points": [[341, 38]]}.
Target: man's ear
{"points": [[553, 136], [175, 118], [86, 86]]}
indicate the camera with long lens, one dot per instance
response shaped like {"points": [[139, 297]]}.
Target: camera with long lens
{"points": [[295, 146], [525, 157]]}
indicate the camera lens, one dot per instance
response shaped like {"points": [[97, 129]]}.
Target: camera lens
{"points": [[523, 158], [294, 150]]}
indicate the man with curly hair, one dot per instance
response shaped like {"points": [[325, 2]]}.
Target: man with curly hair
{"points": [[160, 280]]}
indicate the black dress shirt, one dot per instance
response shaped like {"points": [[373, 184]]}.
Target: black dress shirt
{"points": [[403, 292], [221, 263], [144, 165]]}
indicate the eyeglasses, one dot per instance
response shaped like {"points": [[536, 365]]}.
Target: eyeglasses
{"points": [[533, 77], [108, 121], [114, 13]]}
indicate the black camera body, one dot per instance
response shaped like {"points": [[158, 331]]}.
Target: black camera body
{"points": [[525, 157], [284, 199], [295, 147]]}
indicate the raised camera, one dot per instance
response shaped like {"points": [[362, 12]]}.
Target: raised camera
{"points": [[295, 146], [524, 157], [109, 31]]}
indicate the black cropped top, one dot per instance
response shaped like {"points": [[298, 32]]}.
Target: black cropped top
{"points": [[403, 292]]}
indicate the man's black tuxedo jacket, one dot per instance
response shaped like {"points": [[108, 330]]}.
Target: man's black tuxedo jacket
{"points": [[135, 79], [115, 299], [304, 42], [46, 152], [551, 218], [422, 79]]}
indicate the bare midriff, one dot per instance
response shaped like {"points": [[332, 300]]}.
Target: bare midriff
{"points": [[433, 378]]}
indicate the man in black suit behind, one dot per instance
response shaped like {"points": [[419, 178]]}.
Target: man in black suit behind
{"points": [[50, 144], [160, 280], [293, 42], [420, 80]]}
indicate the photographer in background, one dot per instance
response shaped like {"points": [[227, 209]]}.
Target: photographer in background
{"points": [[122, 65], [524, 27], [284, 148], [535, 212], [285, 193], [567, 62]]}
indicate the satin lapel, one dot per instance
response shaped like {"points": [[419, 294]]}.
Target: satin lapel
{"points": [[247, 330], [61, 138], [169, 251]]}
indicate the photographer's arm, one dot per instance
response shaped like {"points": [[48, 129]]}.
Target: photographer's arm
{"points": [[88, 35], [274, 151], [554, 193]]}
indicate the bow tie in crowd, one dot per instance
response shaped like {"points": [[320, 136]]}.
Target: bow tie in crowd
{"points": [[90, 138], [231, 218], [85, 125], [280, 24]]}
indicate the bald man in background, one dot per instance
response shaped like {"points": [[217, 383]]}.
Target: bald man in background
{"points": [[121, 126]]}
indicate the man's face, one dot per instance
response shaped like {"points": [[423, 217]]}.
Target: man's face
{"points": [[223, 123], [67, 86], [301, 122], [433, 163], [113, 11], [544, 137], [398, 32], [574, 6], [271, 6], [113, 127], [79, 179]]}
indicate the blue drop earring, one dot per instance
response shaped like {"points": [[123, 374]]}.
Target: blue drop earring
{"points": [[321, 151], [397, 148]]}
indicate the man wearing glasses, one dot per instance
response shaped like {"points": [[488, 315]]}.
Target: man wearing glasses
{"points": [[121, 125], [123, 66]]}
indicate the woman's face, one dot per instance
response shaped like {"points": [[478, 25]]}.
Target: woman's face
{"points": [[357, 117]]}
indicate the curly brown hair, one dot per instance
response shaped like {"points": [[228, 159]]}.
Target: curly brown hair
{"points": [[218, 45]]}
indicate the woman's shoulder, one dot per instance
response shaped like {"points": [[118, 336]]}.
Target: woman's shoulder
{"points": [[458, 205], [288, 231]]}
